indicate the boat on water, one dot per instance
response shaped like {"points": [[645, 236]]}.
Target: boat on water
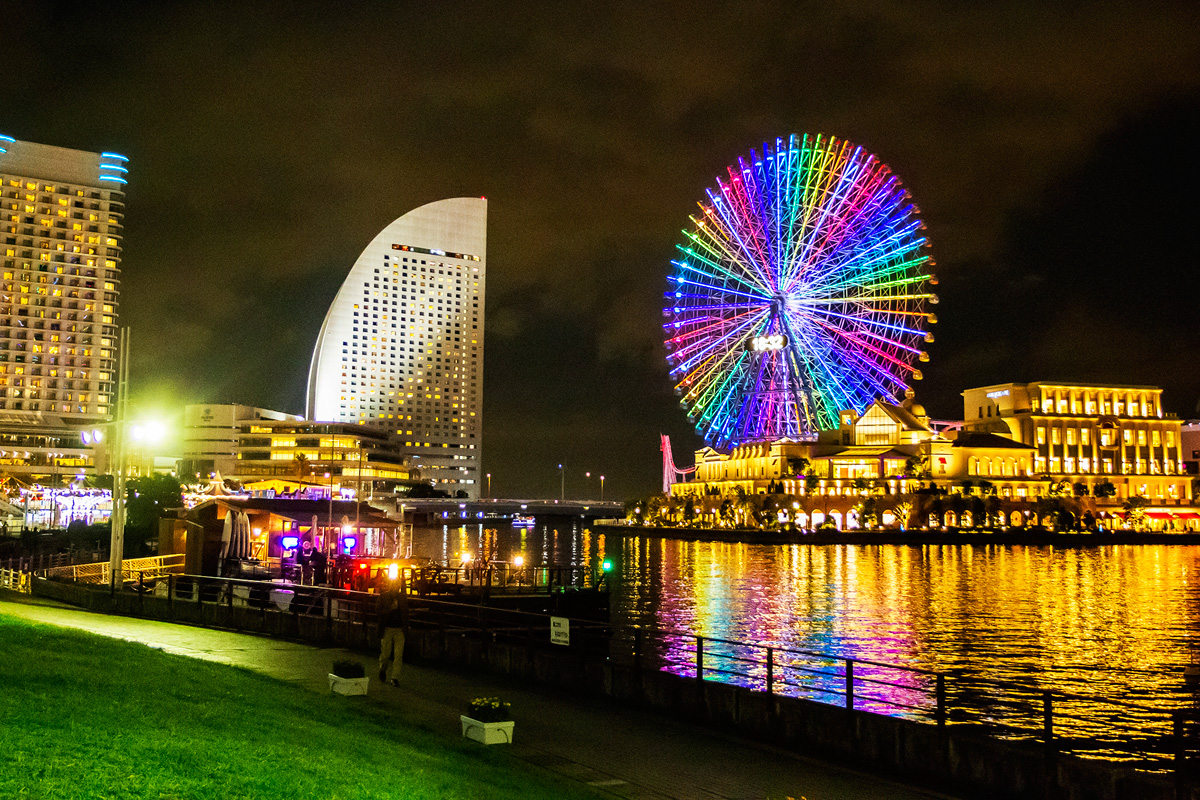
{"points": [[520, 521]]}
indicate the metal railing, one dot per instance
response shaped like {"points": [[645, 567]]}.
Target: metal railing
{"points": [[39, 560], [499, 578], [295, 599], [132, 569], [15, 580], [1141, 735]]}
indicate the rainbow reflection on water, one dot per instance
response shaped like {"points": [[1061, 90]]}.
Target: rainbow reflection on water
{"points": [[1105, 623]]}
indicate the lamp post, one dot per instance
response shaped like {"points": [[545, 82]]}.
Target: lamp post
{"points": [[489, 491], [562, 478], [116, 544], [601, 488]]}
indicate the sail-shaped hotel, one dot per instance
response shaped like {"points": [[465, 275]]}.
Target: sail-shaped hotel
{"points": [[401, 348]]}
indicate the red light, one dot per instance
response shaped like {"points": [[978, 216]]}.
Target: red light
{"points": [[362, 566]]}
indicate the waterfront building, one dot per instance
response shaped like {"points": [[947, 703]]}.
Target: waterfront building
{"points": [[1089, 435], [401, 348], [61, 217], [253, 444], [1085, 451]]}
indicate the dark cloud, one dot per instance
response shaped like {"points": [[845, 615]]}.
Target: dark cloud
{"points": [[270, 142]]}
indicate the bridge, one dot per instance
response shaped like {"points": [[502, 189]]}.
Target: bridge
{"points": [[440, 509]]}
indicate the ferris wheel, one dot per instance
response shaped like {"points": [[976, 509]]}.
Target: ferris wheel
{"points": [[799, 291]]}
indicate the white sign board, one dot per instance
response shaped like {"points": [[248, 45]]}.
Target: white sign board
{"points": [[560, 630]]}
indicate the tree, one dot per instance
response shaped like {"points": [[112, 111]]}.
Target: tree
{"points": [[145, 501], [1106, 489], [916, 467], [302, 465], [1060, 488], [868, 512], [993, 506], [1135, 512], [1081, 489]]}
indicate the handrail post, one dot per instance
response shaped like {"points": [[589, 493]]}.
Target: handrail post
{"points": [[1048, 719], [699, 658], [142, 592], [171, 595], [940, 713], [849, 684], [770, 670]]}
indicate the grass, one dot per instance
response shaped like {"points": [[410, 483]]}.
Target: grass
{"points": [[84, 716]]}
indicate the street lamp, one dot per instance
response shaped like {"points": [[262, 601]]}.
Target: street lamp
{"points": [[587, 485], [562, 478], [489, 477], [601, 488]]}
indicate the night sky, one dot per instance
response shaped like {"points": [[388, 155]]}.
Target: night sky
{"points": [[1051, 148]]}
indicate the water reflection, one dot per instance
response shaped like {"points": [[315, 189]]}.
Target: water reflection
{"points": [[1111, 622]]}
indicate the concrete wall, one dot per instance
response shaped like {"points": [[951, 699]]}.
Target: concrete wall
{"points": [[958, 758]]}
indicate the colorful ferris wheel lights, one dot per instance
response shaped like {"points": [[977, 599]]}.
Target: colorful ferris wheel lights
{"points": [[814, 248]]}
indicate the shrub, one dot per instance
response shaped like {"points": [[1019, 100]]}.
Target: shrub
{"points": [[489, 709]]}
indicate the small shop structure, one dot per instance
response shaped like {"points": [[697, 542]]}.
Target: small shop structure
{"points": [[277, 537]]}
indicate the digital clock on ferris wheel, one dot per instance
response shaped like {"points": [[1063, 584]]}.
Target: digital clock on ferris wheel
{"points": [[763, 344]]}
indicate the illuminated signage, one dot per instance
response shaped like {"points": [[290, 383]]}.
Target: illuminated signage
{"points": [[761, 344], [994, 395]]}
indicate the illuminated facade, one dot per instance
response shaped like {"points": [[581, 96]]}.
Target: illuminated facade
{"points": [[401, 348], [1088, 448], [61, 216], [251, 444], [211, 437], [1089, 434]]}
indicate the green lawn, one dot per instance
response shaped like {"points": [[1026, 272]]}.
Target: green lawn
{"points": [[84, 716]]}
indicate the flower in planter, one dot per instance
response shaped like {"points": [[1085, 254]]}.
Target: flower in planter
{"points": [[348, 669], [489, 709]]}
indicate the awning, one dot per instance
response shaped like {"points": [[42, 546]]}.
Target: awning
{"points": [[1172, 515]]}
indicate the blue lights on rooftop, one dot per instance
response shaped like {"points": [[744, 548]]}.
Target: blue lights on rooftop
{"points": [[3, 141], [112, 166]]}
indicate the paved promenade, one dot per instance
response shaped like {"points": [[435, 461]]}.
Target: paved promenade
{"points": [[623, 752]]}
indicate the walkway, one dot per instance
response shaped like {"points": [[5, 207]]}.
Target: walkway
{"points": [[624, 752]]}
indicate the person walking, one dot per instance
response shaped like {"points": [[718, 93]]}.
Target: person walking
{"points": [[393, 622]]}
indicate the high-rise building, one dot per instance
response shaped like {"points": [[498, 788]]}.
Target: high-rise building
{"points": [[401, 348], [61, 214]]}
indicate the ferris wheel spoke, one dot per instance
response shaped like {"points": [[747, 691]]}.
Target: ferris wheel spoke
{"points": [[871, 321], [850, 337], [749, 234], [719, 327], [716, 269], [745, 254], [716, 241]]}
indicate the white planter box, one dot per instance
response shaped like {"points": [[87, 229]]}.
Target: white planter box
{"points": [[487, 732], [347, 685]]}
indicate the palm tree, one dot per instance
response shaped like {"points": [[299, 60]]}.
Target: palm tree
{"points": [[302, 465]]}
